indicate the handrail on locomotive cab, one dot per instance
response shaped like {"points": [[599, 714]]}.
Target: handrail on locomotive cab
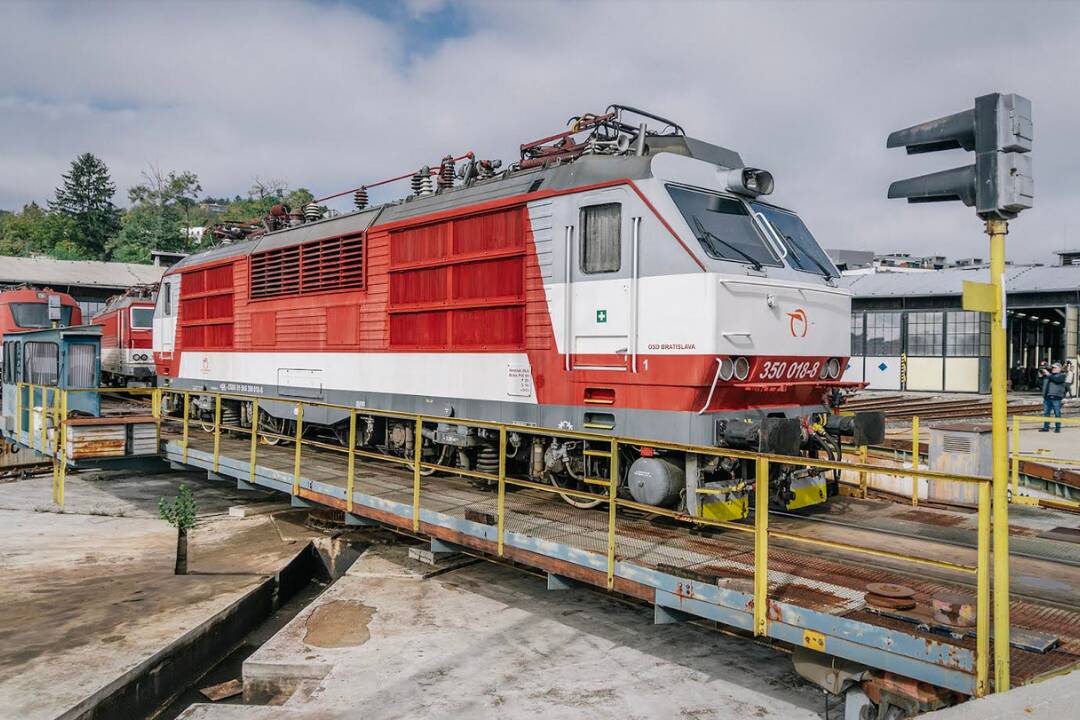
{"points": [[760, 529]]}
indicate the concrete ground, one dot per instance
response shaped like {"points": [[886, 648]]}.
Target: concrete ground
{"points": [[1054, 699], [1064, 445], [488, 641], [89, 593]]}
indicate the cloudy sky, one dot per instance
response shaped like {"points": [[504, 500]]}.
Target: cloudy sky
{"points": [[326, 94]]}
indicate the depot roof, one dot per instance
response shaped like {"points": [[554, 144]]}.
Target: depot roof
{"points": [[1018, 279], [50, 272]]}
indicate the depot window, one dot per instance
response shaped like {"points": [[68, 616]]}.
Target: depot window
{"points": [[858, 333], [723, 226], [42, 363], [601, 242], [925, 334], [968, 334], [883, 334]]}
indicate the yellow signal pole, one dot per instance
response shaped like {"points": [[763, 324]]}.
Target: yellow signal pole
{"points": [[997, 229]]}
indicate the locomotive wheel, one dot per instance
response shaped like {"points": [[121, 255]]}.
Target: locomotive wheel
{"points": [[570, 499]]}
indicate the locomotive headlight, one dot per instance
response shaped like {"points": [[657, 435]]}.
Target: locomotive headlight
{"points": [[727, 369], [833, 367], [750, 181], [742, 368]]}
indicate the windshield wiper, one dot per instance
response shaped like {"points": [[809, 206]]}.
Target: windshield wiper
{"points": [[802, 253], [706, 234]]}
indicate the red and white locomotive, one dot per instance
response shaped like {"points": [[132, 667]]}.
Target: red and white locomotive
{"points": [[621, 278], [127, 322]]}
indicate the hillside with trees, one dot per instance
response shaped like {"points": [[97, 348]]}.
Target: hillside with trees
{"points": [[81, 221]]}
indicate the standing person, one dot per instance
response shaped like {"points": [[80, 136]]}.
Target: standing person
{"points": [[1053, 392], [1070, 378]]}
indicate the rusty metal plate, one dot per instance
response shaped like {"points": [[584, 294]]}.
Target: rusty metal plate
{"points": [[890, 590]]}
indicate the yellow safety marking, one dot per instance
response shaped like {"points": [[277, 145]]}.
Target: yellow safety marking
{"points": [[598, 426], [598, 453], [596, 481], [813, 640]]}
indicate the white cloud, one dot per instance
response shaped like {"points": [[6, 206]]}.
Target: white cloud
{"points": [[327, 96]]}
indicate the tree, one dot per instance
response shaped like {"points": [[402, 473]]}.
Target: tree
{"points": [[160, 216], [34, 230], [86, 198], [180, 512]]}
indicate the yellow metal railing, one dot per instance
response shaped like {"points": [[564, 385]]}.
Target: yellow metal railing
{"points": [[759, 529], [1016, 456]]}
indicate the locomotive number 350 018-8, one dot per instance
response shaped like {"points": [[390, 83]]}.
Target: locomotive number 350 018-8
{"points": [[785, 370]]}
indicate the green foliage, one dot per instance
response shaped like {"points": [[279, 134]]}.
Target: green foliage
{"points": [[35, 230], [147, 228], [81, 222], [181, 511], [161, 212], [262, 197], [85, 197]]}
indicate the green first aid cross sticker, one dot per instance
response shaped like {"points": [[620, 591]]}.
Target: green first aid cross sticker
{"points": [[601, 316]]}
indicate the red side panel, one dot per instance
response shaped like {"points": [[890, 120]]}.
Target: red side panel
{"points": [[206, 308], [459, 284], [344, 324]]}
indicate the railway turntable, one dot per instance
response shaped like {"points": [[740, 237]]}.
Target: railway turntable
{"points": [[862, 618]]}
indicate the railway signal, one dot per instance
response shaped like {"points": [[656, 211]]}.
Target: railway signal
{"points": [[999, 186]]}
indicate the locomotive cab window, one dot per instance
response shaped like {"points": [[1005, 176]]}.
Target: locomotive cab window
{"points": [[166, 298], [723, 226], [11, 358], [36, 315], [41, 361], [601, 244], [142, 318]]}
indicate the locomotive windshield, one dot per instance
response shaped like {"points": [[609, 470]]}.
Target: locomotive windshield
{"points": [[142, 318], [804, 253], [36, 315], [723, 226]]}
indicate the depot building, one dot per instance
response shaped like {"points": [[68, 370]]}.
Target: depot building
{"points": [[909, 330]]}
